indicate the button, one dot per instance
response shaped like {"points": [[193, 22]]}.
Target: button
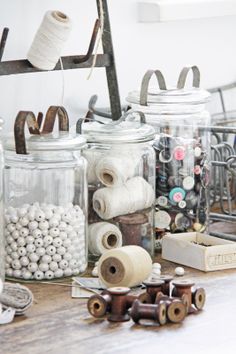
{"points": [[197, 151], [165, 156], [183, 172], [182, 222], [177, 194], [179, 153], [162, 201], [191, 199], [162, 219], [182, 204], [197, 170], [188, 183], [175, 181]]}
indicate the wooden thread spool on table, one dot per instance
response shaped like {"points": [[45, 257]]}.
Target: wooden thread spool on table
{"points": [[156, 313], [184, 288], [175, 308]]}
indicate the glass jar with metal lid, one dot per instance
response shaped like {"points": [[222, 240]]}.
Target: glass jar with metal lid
{"points": [[182, 146], [121, 179], [2, 243], [45, 193]]}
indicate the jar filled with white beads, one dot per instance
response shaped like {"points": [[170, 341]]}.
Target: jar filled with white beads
{"points": [[45, 199], [182, 146], [121, 179]]}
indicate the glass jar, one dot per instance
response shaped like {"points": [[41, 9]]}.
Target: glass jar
{"points": [[2, 243], [121, 183], [45, 201], [182, 146]]}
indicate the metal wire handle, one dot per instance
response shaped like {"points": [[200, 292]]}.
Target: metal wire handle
{"points": [[183, 76], [52, 113], [19, 130], [145, 84]]}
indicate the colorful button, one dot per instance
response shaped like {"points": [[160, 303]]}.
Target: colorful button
{"points": [[162, 201], [162, 219], [188, 183], [177, 194], [197, 170], [179, 153], [197, 151], [165, 156], [182, 222], [182, 204]]}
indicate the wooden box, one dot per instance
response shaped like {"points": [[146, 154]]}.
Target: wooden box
{"points": [[200, 251]]}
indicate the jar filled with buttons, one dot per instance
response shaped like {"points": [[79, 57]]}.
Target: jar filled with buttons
{"points": [[182, 146], [45, 199], [121, 178]]}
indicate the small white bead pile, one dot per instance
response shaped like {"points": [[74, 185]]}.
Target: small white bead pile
{"points": [[156, 271], [45, 241]]}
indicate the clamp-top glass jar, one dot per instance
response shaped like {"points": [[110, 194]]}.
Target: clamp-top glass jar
{"points": [[182, 146], [45, 199], [121, 178]]}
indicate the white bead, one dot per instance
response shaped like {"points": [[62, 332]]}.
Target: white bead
{"points": [[30, 248], [14, 246], [67, 272], [66, 217], [14, 219], [72, 235], [29, 239], [67, 256], [9, 272], [32, 267], [76, 271], [22, 251], [16, 264], [24, 221], [58, 273], [15, 234], [7, 233], [53, 266], [40, 251], [21, 241], [61, 250], [18, 226], [73, 263], [69, 229], [49, 275], [63, 264], [33, 225], [43, 225], [44, 232], [39, 215], [21, 212], [62, 226], [156, 266], [27, 275], [95, 272], [24, 261], [179, 271], [46, 258], [38, 242], [57, 242], [156, 272], [8, 259], [67, 243], [57, 257], [63, 235], [51, 250], [24, 232], [59, 210], [54, 232], [9, 250], [33, 257], [38, 275], [32, 209], [44, 267], [48, 240], [53, 222], [9, 239], [17, 273], [7, 219], [11, 227], [31, 215], [15, 255], [37, 233], [48, 213]]}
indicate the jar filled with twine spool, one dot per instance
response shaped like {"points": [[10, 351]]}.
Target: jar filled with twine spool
{"points": [[182, 146], [121, 183], [45, 199]]}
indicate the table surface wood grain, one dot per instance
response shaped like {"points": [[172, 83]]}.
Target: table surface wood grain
{"points": [[58, 324]]}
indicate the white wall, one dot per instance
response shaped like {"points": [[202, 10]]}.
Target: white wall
{"points": [[209, 43]]}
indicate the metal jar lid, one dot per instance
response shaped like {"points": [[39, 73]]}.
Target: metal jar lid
{"points": [[125, 130], [149, 97]]}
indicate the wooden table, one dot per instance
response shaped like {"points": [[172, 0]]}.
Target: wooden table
{"points": [[62, 325]]}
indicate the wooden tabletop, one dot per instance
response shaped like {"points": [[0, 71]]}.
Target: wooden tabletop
{"points": [[58, 324]]}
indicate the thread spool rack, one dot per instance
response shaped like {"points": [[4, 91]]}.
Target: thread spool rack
{"points": [[106, 60]]}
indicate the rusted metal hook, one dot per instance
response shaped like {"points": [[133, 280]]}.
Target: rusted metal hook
{"points": [[52, 113]]}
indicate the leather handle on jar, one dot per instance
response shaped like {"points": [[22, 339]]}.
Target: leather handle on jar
{"points": [[145, 84], [52, 113], [19, 130], [183, 76]]}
